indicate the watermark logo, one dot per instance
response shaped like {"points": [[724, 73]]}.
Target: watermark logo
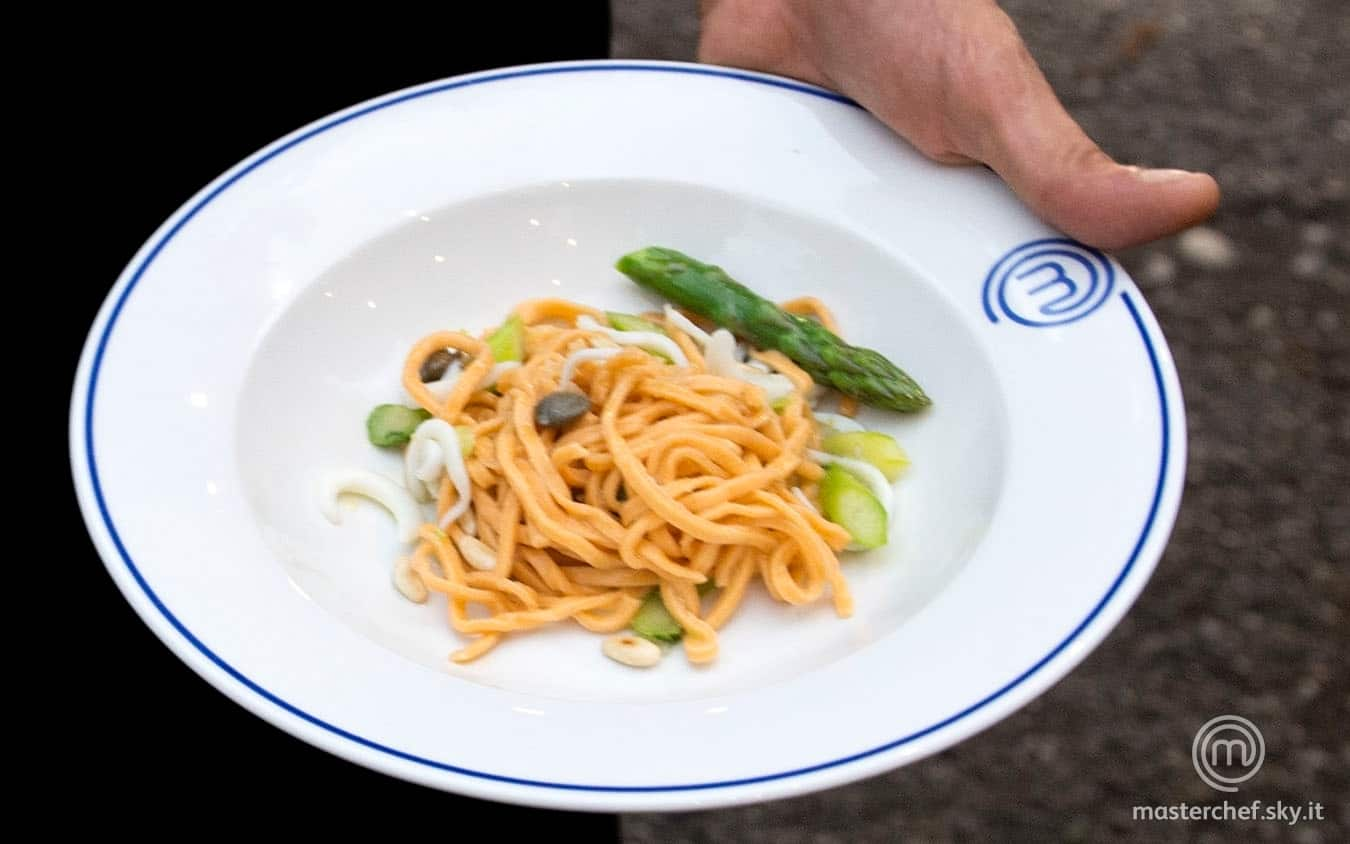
{"points": [[1228, 750]]}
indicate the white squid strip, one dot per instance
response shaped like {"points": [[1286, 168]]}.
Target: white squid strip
{"points": [[443, 434], [423, 461], [476, 553], [801, 496], [432, 462], [862, 470], [579, 357], [649, 340], [838, 422], [497, 371], [775, 386], [412, 456], [441, 388], [720, 355], [394, 498], [685, 324]]}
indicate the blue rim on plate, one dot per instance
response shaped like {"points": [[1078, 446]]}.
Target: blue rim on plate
{"points": [[262, 158]]}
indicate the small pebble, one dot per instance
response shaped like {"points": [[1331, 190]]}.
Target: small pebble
{"points": [[1307, 689], [1267, 183], [1207, 248], [1338, 279], [1316, 234], [1307, 264], [1260, 317], [1159, 268]]}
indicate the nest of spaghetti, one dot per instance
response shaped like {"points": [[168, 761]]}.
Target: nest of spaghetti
{"points": [[674, 478]]}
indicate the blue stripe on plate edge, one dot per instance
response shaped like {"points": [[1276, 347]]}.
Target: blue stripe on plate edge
{"points": [[338, 731]]}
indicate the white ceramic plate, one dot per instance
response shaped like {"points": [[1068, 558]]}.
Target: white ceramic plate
{"points": [[237, 356]]}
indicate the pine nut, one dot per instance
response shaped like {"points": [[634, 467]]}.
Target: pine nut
{"points": [[632, 650], [408, 582]]}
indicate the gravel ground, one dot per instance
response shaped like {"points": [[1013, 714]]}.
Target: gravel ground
{"points": [[1247, 612]]}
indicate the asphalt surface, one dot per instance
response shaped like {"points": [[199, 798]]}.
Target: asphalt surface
{"points": [[1247, 612]]}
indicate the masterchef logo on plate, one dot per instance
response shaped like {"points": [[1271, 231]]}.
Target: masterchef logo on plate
{"points": [[1046, 282]]}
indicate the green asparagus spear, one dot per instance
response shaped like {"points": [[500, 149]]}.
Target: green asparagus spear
{"points": [[708, 291]]}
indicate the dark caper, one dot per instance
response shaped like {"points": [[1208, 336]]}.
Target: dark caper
{"points": [[560, 408], [433, 368]]}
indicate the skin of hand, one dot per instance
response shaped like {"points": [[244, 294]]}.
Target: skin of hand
{"points": [[954, 78]]}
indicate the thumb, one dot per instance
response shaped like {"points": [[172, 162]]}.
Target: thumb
{"points": [[1026, 136]]}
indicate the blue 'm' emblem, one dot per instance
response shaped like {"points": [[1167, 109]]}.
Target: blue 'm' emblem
{"points": [[1048, 282]]}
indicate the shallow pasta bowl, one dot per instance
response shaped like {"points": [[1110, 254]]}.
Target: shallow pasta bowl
{"points": [[1045, 478]]}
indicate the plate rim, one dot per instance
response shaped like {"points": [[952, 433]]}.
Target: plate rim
{"points": [[353, 747]]}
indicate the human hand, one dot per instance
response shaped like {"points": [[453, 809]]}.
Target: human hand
{"points": [[954, 78]]}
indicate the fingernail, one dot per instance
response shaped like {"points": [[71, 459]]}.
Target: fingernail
{"points": [[1163, 175]]}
